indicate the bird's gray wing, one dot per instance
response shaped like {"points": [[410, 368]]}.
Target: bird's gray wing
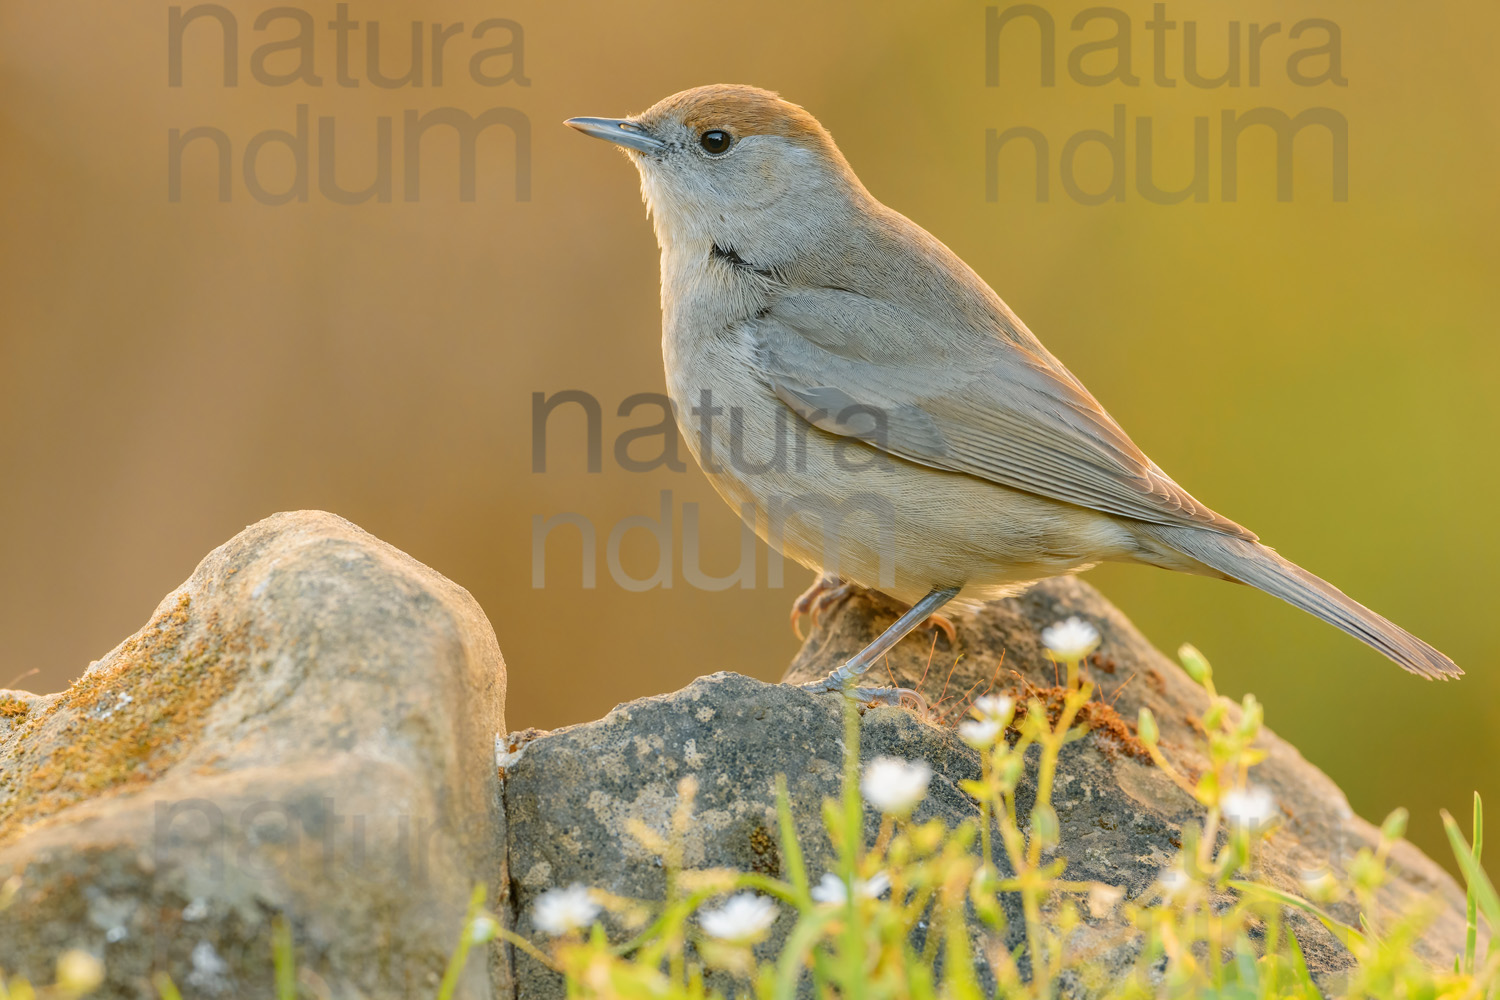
{"points": [[981, 405]]}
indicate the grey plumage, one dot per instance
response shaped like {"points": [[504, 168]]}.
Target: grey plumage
{"points": [[790, 293], [1261, 567]]}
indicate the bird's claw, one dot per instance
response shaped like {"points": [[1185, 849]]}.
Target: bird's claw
{"points": [[895, 697], [945, 625], [823, 594]]}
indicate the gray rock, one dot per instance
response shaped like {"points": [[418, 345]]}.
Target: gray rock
{"points": [[304, 727], [572, 793]]}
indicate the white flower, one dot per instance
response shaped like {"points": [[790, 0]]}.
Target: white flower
{"points": [[895, 786], [1072, 640], [994, 706], [742, 919], [830, 889], [980, 734], [1174, 883], [210, 971], [1250, 808], [559, 911], [876, 886], [483, 928]]}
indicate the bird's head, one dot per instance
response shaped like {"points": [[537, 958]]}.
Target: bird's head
{"points": [[734, 166]]}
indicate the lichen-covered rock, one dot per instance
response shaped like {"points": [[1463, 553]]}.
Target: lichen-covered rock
{"points": [[572, 794], [1000, 645], [305, 727]]}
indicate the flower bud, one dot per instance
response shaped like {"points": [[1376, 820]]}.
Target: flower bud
{"points": [[1044, 824], [1394, 827], [1251, 716], [1145, 727], [1195, 663]]}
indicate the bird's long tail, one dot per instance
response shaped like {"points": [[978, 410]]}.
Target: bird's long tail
{"points": [[1255, 564]]}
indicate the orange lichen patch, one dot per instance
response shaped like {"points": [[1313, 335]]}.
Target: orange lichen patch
{"points": [[122, 724], [1116, 736], [741, 110], [766, 857], [1114, 732], [13, 708]]}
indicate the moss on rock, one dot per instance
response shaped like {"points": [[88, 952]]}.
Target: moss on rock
{"points": [[121, 724]]}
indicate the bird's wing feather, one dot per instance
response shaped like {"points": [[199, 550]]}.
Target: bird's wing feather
{"points": [[867, 369]]}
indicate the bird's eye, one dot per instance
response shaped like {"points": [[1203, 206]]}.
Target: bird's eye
{"points": [[716, 141]]}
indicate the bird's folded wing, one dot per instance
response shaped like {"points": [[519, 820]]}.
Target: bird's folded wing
{"points": [[979, 405]]}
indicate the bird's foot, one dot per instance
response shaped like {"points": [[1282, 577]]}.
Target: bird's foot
{"points": [[825, 592], [896, 697]]}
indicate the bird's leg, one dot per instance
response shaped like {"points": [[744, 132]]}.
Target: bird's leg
{"points": [[828, 590], [867, 657], [825, 591]]}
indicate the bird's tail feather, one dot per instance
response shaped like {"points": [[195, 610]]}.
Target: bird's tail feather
{"points": [[1255, 564]]}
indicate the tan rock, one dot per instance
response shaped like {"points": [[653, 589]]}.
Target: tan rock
{"points": [[304, 727]]}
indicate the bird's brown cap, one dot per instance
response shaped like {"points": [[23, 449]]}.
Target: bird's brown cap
{"points": [[742, 111]]}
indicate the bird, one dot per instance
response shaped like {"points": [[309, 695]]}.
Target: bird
{"points": [[875, 411]]}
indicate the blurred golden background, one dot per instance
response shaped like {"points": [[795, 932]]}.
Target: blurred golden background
{"points": [[1324, 372]]}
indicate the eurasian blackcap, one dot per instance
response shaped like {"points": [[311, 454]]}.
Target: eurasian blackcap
{"points": [[875, 409]]}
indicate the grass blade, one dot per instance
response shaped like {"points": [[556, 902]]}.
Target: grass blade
{"points": [[1347, 936], [165, 987], [1480, 885], [460, 956], [283, 959], [1471, 940]]}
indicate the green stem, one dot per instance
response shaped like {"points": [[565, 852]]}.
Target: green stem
{"points": [[460, 956], [854, 938], [1471, 940]]}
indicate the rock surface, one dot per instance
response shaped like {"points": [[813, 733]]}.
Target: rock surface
{"points": [[572, 793], [304, 727]]}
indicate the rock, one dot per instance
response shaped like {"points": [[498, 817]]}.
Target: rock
{"points": [[571, 794], [305, 727]]}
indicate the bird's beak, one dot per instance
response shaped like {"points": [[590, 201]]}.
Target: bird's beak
{"points": [[620, 131]]}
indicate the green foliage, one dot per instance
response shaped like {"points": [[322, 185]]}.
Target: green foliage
{"points": [[1208, 928], [919, 913]]}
